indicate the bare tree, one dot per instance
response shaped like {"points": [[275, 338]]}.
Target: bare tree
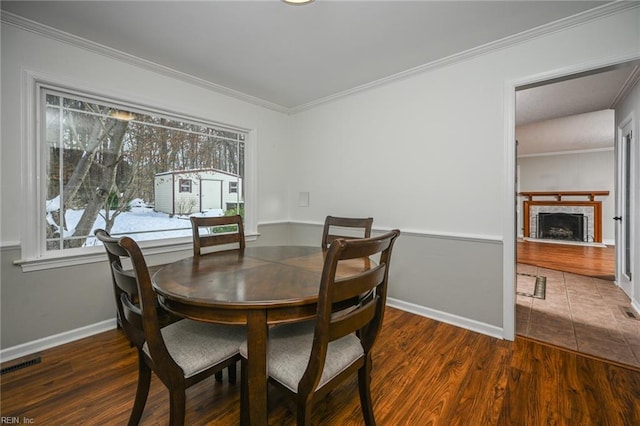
{"points": [[111, 137], [106, 162]]}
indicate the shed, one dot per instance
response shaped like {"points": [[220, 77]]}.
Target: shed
{"points": [[192, 191]]}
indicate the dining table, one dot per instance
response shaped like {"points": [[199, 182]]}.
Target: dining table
{"points": [[258, 287]]}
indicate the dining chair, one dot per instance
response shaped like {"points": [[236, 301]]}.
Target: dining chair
{"points": [[222, 230], [164, 317], [364, 224], [310, 358], [180, 354]]}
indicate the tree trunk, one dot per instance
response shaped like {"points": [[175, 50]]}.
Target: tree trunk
{"points": [[81, 170], [98, 199]]}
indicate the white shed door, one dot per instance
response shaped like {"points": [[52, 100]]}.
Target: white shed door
{"points": [[210, 194]]}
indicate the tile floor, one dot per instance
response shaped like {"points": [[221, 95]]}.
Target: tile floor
{"points": [[579, 313]]}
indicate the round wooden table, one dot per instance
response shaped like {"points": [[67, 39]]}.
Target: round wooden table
{"points": [[258, 287]]}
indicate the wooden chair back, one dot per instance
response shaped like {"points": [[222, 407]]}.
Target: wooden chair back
{"points": [[188, 340], [329, 236], [114, 253], [365, 315], [231, 230], [137, 304]]}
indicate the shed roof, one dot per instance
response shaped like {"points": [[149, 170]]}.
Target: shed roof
{"points": [[178, 172]]}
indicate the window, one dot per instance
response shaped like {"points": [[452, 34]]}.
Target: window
{"points": [[105, 163], [233, 187], [185, 185]]}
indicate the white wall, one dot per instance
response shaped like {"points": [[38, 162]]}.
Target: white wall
{"points": [[425, 154], [588, 171], [39, 304]]}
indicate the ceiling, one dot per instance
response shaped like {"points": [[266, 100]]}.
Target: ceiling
{"points": [[291, 57], [573, 114], [573, 95], [294, 55]]}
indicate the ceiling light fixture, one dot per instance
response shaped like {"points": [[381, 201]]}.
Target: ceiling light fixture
{"points": [[297, 2], [122, 115]]}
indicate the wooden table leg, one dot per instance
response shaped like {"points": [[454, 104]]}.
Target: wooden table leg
{"points": [[257, 340]]}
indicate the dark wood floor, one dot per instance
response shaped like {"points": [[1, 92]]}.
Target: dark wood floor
{"points": [[596, 262], [425, 373]]}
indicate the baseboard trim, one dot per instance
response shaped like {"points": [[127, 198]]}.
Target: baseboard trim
{"points": [[56, 340], [570, 243], [462, 322], [82, 332]]}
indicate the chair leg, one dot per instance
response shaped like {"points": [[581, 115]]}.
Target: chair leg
{"points": [[244, 396], [364, 386], [177, 406], [304, 410], [219, 376], [142, 391], [232, 373]]}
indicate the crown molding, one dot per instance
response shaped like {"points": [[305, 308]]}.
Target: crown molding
{"points": [[543, 30], [577, 151], [73, 40], [626, 87], [559, 25]]}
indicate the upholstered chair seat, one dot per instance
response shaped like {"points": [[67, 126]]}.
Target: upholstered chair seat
{"points": [[290, 350], [195, 346]]}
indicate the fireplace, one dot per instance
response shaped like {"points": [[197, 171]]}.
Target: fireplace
{"points": [[563, 226], [561, 219]]}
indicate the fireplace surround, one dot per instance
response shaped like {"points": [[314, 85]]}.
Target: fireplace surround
{"points": [[575, 220]]}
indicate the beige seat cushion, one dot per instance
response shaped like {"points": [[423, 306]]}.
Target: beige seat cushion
{"points": [[290, 350], [195, 345]]}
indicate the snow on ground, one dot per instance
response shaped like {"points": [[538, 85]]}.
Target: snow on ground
{"points": [[137, 223]]}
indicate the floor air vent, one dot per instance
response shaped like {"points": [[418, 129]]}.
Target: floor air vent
{"points": [[629, 313], [21, 365]]}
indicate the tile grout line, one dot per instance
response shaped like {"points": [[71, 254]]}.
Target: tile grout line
{"points": [[573, 322], [604, 303], [622, 332]]}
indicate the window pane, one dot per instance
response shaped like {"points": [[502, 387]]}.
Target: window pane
{"points": [[53, 100], [133, 173]]}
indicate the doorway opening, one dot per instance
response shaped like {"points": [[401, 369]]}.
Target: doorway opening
{"points": [[566, 133]]}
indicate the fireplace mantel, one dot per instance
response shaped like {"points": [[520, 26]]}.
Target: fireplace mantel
{"points": [[528, 203], [559, 194]]}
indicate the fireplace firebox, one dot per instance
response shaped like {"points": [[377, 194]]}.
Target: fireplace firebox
{"points": [[562, 226]]}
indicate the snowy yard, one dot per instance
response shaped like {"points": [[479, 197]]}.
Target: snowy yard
{"points": [[140, 223]]}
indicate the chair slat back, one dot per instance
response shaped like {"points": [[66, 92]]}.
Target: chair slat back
{"points": [[137, 301], [232, 232], [354, 320], [148, 307], [114, 254], [131, 315], [356, 285], [364, 289], [361, 224]]}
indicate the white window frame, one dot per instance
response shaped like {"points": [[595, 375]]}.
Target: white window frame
{"points": [[33, 180]]}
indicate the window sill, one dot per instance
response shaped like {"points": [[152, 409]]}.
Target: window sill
{"points": [[97, 254]]}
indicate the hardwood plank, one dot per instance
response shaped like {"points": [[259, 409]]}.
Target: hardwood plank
{"points": [[590, 261], [425, 372]]}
